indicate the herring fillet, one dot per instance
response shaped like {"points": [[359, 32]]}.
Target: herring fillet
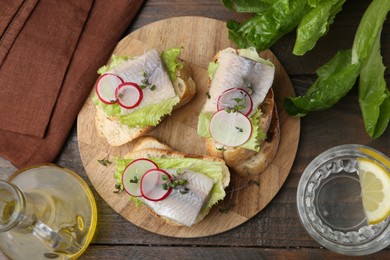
{"points": [[233, 71], [150, 63], [184, 208]]}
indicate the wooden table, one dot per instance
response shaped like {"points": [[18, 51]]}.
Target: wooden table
{"points": [[276, 231]]}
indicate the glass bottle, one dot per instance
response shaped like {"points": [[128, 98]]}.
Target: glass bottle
{"points": [[46, 212]]}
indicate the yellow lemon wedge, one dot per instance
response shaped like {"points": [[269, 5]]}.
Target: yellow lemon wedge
{"points": [[375, 186]]}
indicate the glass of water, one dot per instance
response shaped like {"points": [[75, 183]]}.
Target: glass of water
{"points": [[330, 205]]}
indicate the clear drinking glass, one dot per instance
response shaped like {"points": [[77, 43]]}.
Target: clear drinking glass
{"points": [[330, 204], [46, 212]]}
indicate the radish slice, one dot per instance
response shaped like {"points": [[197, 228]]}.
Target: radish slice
{"points": [[133, 173], [235, 97], [129, 95], [106, 86], [230, 129], [152, 185]]}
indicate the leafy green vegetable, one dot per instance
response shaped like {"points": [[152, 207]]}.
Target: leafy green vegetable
{"points": [[262, 30], [374, 99], [211, 69], [257, 136], [115, 61], [248, 6], [313, 3], [150, 115], [315, 24], [338, 76], [335, 79], [109, 109], [252, 54], [369, 28], [170, 59]]}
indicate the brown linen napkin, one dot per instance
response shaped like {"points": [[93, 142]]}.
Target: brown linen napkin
{"points": [[51, 51]]}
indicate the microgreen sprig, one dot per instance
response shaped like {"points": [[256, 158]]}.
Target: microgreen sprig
{"points": [[250, 87], [135, 179], [145, 82], [117, 188], [240, 104], [175, 183], [104, 161]]}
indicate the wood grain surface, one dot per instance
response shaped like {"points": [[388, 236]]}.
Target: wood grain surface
{"points": [[179, 130], [275, 233]]}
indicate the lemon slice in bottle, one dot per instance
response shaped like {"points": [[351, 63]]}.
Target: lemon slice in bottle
{"points": [[375, 185]]}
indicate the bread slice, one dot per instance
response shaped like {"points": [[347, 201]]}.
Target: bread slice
{"points": [[248, 162], [150, 147], [118, 134]]}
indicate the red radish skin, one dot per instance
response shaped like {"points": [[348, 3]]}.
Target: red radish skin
{"points": [[227, 95], [133, 189], [115, 80], [129, 95], [146, 179], [224, 126]]}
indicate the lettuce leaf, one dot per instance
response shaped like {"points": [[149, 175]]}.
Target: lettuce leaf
{"points": [[171, 61], [211, 69], [370, 27], [338, 76], [257, 136], [263, 30], [335, 80], [248, 6], [315, 24], [254, 141], [115, 61], [150, 115], [251, 53], [212, 169], [374, 98], [110, 110]]}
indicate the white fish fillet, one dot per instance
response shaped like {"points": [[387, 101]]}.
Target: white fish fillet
{"points": [[133, 70], [233, 71], [184, 208]]}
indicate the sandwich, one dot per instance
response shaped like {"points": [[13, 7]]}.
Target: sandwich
{"points": [[133, 95], [239, 118], [178, 188]]}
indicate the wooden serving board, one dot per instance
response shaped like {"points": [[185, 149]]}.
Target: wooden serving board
{"points": [[201, 38]]}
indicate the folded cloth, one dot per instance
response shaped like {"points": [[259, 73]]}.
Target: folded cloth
{"points": [[49, 54]]}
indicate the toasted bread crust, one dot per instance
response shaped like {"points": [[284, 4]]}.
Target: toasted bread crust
{"points": [[258, 162], [114, 132], [118, 134], [184, 85]]}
